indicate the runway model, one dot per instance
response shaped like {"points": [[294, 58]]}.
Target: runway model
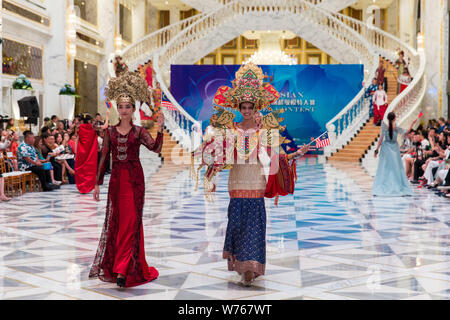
{"points": [[390, 179], [251, 150], [120, 256]]}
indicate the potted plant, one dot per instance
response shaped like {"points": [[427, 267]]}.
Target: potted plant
{"points": [[21, 88], [67, 97], [22, 83]]}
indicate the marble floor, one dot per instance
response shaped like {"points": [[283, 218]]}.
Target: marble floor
{"points": [[331, 240]]}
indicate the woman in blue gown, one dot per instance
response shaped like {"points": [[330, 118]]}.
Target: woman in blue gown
{"points": [[390, 180]]}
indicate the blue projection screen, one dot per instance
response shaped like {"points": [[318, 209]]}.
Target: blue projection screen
{"points": [[311, 95]]}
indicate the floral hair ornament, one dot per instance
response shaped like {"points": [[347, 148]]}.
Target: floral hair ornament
{"points": [[249, 86]]}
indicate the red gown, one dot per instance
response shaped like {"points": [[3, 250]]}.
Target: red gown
{"points": [[149, 76], [86, 158], [121, 246]]}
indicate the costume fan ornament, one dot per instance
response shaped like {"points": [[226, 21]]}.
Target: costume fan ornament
{"points": [[249, 86]]}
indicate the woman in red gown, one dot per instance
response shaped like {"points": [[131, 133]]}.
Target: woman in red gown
{"points": [[120, 256]]}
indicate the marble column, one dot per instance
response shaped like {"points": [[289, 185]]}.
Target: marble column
{"points": [[174, 14], [56, 70], [138, 14], [392, 18], [107, 23], [436, 32], [406, 16], [152, 16]]}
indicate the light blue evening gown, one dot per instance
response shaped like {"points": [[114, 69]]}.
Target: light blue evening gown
{"points": [[390, 180]]}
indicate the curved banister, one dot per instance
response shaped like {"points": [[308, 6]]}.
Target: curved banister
{"points": [[213, 19], [338, 29], [386, 45], [367, 43]]}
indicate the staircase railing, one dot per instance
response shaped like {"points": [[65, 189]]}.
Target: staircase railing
{"points": [[317, 16], [409, 101], [405, 105]]}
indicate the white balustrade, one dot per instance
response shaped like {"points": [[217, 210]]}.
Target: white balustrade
{"points": [[366, 42], [407, 104]]}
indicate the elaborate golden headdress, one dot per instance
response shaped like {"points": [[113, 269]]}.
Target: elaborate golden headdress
{"points": [[129, 87], [249, 86]]}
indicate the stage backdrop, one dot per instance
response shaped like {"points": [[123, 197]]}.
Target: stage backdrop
{"points": [[311, 95]]}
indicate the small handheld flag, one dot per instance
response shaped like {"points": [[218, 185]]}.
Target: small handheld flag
{"points": [[323, 141], [108, 104], [420, 115]]}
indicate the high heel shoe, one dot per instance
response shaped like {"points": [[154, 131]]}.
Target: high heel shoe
{"points": [[121, 282], [246, 283]]}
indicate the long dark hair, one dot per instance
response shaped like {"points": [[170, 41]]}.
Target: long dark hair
{"points": [[86, 118], [391, 117]]}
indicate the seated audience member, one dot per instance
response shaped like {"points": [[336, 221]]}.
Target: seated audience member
{"points": [[28, 161], [70, 162], [47, 148], [421, 154], [60, 127], [3, 197], [442, 125], [64, 163], [45, 130], [73, 142], [439, 155], [46, 165]]}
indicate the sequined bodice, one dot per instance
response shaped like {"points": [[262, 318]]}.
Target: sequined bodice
{"points": [[125, 148]]}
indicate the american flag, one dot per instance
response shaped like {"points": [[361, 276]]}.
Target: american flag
{"points": [[323, 141]]}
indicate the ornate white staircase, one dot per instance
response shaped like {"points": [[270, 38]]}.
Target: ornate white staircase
{"points": [[347, 40], [407, 105]]}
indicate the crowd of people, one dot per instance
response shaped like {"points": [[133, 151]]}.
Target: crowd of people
{"points": [[51, 154], [426, 156]]}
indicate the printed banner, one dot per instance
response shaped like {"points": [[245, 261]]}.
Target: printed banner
{"points": [[311, 95]]}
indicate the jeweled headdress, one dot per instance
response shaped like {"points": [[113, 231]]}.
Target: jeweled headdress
{"points": [[249, 86], [129, 87]]}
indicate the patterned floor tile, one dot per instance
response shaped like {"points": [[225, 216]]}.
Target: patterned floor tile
{"points": [[331, 240]]}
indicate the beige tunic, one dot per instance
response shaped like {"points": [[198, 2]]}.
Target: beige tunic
{"points": [[247, 181]]}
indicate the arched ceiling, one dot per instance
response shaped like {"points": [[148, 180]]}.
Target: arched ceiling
{"points": [[295, 24]]}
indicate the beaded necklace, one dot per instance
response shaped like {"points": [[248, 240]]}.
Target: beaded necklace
{"points": [[122, 145]]}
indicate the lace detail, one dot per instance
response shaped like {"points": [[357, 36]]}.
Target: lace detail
{"points": [[104, 157], [104, 260]]}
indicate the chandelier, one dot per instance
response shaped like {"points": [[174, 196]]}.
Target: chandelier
{"points": [[271, 57], [270, 50]]}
